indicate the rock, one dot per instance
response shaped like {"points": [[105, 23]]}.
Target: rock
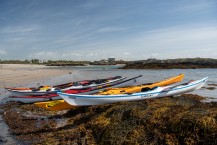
{"points": [[2, 140], [1, 111]]}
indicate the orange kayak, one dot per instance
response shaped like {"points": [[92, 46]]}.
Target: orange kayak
{"points": [[138, 88]]}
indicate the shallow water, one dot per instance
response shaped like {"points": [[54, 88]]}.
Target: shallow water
{"points": [[97, 72], [5, 137]]}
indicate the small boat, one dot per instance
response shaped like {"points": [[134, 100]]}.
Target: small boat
{"points": [[138, 88], [32, 99], [156, 92], [42, 90], [90, 90], [56, 105], [60, 105]]}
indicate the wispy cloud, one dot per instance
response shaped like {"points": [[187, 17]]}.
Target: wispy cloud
{"points": [[19, 29], [176, 41], [126, 53], [19, 37], [111, 29], [3, 52], [183, 35], [44, 55], [71, 55], [172, 42], [200, 6], [55, 55], [97, 30]]}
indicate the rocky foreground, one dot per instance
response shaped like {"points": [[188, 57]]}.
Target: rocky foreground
{"points": [[171, 120]]}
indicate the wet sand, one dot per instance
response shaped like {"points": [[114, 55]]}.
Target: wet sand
{"points": [[15, 74]]}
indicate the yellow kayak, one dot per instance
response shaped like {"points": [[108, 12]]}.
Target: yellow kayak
{"points": [[62, 105], [134, 89], [54, 105]]}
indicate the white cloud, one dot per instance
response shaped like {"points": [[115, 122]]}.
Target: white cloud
{"points": [[130, 30], [194, 7], [126, 53], [92, 54], [175, 41], [111, 29], [71, 55], [44, 55], [19, 29], [2, 52], [57, 55]]}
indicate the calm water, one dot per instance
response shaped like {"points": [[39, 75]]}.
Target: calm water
{"points": [[82, 73]]}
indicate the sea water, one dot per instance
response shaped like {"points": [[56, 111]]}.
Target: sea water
{"points": [[98, 72]]}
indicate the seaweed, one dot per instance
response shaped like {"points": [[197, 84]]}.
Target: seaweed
{"points": [[171, 120]]}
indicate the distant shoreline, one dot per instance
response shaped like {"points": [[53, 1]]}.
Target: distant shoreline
{"points": [[169, 66], [184, 63], [152, 63]]}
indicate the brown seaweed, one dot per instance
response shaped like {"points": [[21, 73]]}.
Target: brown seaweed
{"points": [[170, 120]]}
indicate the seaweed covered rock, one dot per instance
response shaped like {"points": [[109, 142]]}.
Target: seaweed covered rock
{"points": [[170, 120]]}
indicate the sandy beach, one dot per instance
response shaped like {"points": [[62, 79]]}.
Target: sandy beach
{"points": [[15, 74]]}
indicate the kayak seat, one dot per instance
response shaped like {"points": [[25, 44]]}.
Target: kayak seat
{"points": [[99, 81], [147, 84], [48, 90], [76, 84], [145, 89], [34, 90], [57, 88], [87, 84], [148, 89], [184, 84], [40, 87]]}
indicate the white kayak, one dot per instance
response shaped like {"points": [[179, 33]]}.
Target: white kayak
{"points": [[157, 92]]}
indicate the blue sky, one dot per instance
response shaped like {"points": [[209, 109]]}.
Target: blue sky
{"points": [[98, 29]]}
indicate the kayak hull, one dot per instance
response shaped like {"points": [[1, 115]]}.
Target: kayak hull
{"points": [[54, 105], [33, 99], [87, 100]]}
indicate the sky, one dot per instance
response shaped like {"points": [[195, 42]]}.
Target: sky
{"points": [[99, 29]]}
